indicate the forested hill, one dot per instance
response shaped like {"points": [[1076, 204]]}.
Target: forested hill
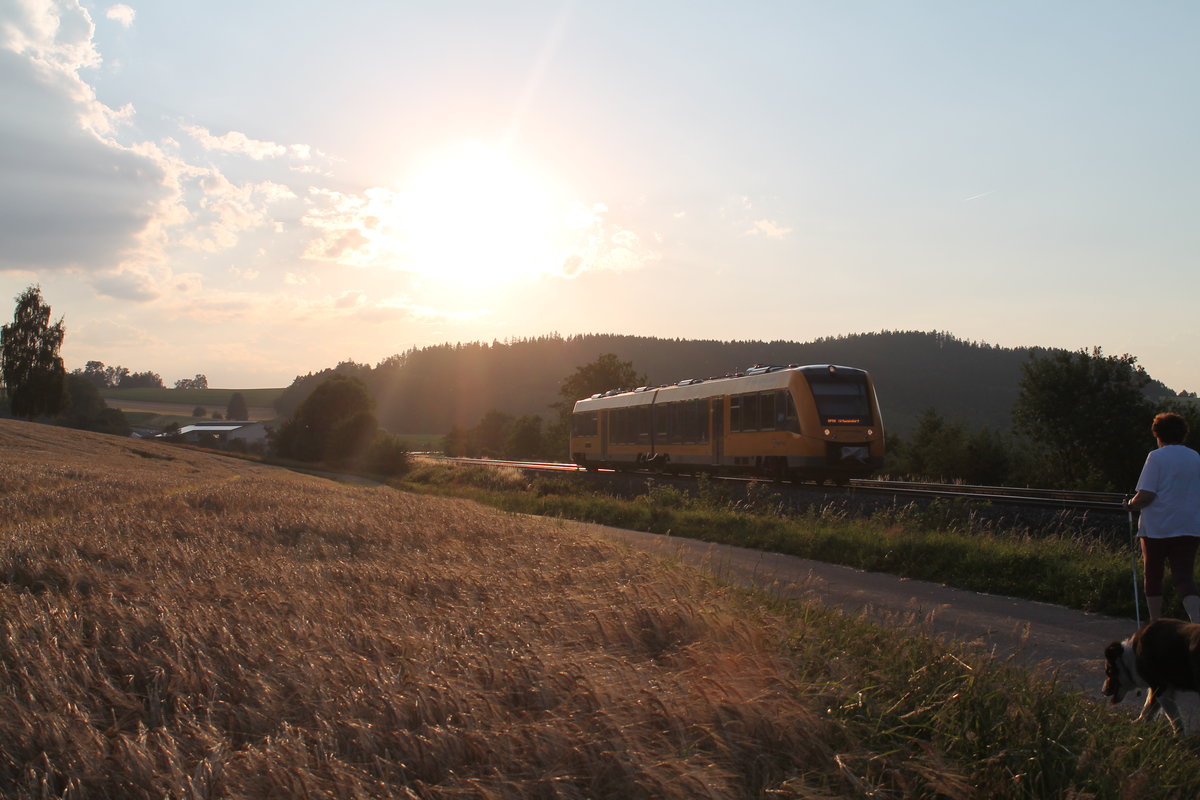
{"points": [[431, 389]]}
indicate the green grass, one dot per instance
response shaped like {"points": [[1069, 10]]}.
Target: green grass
{"points": [[421, 441], [942, 543], [195, 397], [149, 419]]}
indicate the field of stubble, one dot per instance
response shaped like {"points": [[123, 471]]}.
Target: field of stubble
{"points": [[176, 624]]}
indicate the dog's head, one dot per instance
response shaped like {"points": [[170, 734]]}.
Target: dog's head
{"points": [[1117, 680]]}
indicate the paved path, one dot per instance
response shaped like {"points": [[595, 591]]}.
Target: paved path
{"points": [[1043, 636]]}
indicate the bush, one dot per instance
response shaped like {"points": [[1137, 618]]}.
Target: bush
{"points": [[388, 455]]}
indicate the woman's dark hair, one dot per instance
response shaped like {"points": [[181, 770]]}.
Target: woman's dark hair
{"points": [[1170, 427]]}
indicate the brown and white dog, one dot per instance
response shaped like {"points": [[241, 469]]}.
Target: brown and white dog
{"points": [[1163, 656]]}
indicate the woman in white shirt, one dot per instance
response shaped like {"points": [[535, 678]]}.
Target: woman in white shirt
{"points": [[1168, 497]]}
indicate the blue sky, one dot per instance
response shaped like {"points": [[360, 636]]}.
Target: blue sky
{"points": [[260, 190]]}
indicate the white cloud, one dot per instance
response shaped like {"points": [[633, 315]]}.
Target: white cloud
{"points": [[355, 230], [598, 244], [239, 143], [57, 36], [248, 275], [768, 228], [121, 14], [72, 196], [236, 142], [225, 209], [123, 283]]}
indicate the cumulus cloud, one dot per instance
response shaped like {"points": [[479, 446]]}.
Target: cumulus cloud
{"points": [[122, 283], [241, 144], [225, 209], [236, 142], [768, 228], [741, 212], [121, 14], [71, 197], [596, 243], [355, 230]]}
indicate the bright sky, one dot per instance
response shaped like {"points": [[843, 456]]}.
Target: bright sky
{"points": [[259, 190]]}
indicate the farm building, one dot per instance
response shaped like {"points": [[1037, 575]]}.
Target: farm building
{"points": [[223, 432]]}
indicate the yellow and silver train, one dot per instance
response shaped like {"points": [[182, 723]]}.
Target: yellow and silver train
{"points": [[818, 423]]}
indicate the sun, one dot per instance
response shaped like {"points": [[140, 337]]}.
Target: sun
{"points": [[474, 215]]}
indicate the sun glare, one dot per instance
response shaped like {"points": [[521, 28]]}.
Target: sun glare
{"points": [[473, 216]]}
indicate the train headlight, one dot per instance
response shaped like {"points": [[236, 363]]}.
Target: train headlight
{"points": [[827, 431], [870, 432]]}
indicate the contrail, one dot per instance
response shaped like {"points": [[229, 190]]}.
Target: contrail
{"points": [[976, 196]]}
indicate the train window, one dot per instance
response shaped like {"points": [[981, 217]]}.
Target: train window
{"points": [[621, 426], [666, 423], [735, 413], [841, 399], [766, 411], [791, 420], [585, 424], [698, 421], [749, 412]]}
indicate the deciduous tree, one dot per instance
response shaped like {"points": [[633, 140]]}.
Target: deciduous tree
{"points": [[237, 407], [32, 368], [1089, 416], [88, 411], [605, 373], [335, 422]]}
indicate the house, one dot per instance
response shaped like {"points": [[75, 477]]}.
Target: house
{"points": [[222, 433]]}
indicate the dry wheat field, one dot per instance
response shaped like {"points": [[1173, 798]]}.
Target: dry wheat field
{"points": [[177, 624]]}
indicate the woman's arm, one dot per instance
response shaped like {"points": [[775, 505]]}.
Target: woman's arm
{"points": [[1140, 500]]}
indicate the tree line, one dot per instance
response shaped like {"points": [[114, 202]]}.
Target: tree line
{"points": [[1078, 420], [36, 385], [118, 377], [439, 388], [1081, 420]]}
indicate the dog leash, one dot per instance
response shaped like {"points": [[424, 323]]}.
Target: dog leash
{"points": [[1137, 604]]}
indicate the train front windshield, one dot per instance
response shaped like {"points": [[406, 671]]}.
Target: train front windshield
{"points": [[841, 398]]}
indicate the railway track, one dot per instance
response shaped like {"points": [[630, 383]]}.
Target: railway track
{"points": [[1107, 502], [1049, 498]]}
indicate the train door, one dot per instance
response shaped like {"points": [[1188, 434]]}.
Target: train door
{"points": [[602, 430], [717, 412]]}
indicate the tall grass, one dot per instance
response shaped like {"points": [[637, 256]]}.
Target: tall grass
{"points": [[938, 720], [176, 624], [943, 542]]}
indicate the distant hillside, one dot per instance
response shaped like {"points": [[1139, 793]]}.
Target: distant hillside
{"points": [[431, 389]]}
